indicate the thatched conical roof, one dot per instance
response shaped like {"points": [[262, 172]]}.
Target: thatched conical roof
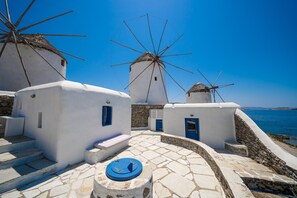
{"points": [[38, 40], [199, 87], [147, 56]]}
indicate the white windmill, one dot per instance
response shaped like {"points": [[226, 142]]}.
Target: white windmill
{"points": [[28, 59], [200, 93], [147, 82]]}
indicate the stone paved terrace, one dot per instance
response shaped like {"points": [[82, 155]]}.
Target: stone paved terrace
{"points": [[245, 165], [178, 172]]}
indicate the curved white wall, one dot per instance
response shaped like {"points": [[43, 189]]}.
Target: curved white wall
{"points": [[12, 77], [139, 88], [216, 121], [198, 97]]}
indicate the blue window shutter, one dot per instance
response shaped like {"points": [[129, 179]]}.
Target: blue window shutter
{"points": [[109, 116], [106, 115], [103, 116]]}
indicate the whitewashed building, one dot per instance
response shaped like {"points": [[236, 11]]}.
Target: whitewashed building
{"points": [[210, 123], [12, 75], [147, 81], [66, 118]]}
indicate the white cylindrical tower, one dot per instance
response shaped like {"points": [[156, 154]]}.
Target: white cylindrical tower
{"points": [[199, 93], [147, 80], [12, 76]]}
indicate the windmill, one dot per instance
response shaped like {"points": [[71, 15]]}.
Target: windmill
{"points": [[147, 72], [29, 59], [203, 93]]}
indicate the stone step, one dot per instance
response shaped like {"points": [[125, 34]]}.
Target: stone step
{"points": [[268, 181], [236, 148], [15, 143], [21, 175], [19, 157]]}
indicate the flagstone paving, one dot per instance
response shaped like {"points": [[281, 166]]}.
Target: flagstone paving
{"points": [[246, 167], [177, 172]]}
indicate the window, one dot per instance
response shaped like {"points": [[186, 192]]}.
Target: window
{"points": [[39, 120], [191, 126], [62, 62], [155, 78], [106, 115]]}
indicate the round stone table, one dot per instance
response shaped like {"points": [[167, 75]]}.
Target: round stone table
{"points": [[141, 186]]}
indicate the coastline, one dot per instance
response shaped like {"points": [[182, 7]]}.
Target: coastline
{"points": [[273, 108], [280, 140], [279, 123]]}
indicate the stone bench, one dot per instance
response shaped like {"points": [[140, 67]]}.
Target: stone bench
{"points": [[236, 148], [105, 148], [11, 126]]}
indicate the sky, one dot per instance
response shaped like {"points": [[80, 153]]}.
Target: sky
{"points": [[253, 43]]}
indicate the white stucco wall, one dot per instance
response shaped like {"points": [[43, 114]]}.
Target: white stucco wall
{"points": [[216, 121], [139, 88], [12, 77], [198, 97], [71, 117]]}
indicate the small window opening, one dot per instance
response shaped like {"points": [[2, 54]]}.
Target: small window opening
{"points": [[39, 120], [63, 62], [191, 126], [155, 78], [106, 115]]}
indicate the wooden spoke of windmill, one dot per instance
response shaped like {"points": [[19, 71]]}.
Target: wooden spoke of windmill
{"points": [[14, 34], [45, 34], [213, 87], [156, 58]]}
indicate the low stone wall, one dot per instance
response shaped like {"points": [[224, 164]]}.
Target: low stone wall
{"points": [[232, 184], [140, 114], [261, 148], [6, 104]]}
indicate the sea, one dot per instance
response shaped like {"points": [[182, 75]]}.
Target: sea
{"points": [[276, 122]]}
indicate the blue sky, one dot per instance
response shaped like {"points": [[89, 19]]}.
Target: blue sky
{"points": [[253, 43]]}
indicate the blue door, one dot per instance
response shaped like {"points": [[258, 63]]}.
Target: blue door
{"points": [[159, 125], [192, 128]]}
